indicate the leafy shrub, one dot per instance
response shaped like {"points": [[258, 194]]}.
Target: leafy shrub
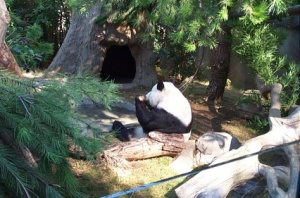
{"points": [[258, 48], [260, 125], [26, 45]]}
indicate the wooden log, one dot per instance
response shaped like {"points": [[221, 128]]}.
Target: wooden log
{"points": [[156, 145]]}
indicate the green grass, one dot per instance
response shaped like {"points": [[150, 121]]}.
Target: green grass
{"points": [[96, 180]]}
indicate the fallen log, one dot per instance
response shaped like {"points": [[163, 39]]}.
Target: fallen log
{"points": [[156, 145], [220, 180]]}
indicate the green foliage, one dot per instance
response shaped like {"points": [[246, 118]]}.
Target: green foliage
{"points": [[162, 22], [37, 30], [81, 4], [38, 127], [290, 81], [255, 14], [27, 46], [278, 6], [178, 28], [259, 49], [261, 125], [257, 44], [251, 97]]}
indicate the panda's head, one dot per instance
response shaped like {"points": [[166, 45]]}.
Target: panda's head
{"points": [[160, 92]]}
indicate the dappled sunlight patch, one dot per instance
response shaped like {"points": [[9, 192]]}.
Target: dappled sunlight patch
{"points": [[96, 179], [32, 74]]}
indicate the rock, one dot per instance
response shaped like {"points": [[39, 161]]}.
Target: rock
{"points": [[98, 117], [212, 144]]}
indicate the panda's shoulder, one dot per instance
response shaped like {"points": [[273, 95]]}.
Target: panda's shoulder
{"points": [[172, 101]]}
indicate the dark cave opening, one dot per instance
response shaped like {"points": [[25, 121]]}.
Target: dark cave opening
{"points": [[118, 65]]}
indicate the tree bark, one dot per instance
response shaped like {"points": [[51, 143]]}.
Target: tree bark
{"points": [[220, 68], [220, 180], [4, 20], [295, 10], [86, 44], [80, 48], [7, 59]]}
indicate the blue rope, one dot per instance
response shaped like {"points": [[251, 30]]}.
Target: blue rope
{"points": [[146, 186]]}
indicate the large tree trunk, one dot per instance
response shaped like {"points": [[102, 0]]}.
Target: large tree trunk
{"points": [[221, 179], [79, 49], [86, 44], [7, 59], [220, 68], [4, 20]]}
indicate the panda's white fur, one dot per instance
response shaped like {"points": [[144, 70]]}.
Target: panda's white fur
{"points": [[171, 100]]}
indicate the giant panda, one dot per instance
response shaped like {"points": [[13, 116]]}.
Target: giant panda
{"points": [[163, 109]]}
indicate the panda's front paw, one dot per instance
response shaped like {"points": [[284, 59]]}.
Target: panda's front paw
{"points": [[141, 98]]}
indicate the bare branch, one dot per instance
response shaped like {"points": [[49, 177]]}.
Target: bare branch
{"points": [[294, 169], [29, 157], [270, 175], [220, 180]]}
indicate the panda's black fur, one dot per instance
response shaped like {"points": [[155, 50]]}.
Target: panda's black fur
{"points": [[126, 134], [156, 112], [158, 119]]}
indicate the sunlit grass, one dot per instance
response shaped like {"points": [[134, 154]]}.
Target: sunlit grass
{"points": [[97, 180]]}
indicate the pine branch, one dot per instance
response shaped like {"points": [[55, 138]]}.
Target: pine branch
{"points": [[37, 127], [11, 172]]}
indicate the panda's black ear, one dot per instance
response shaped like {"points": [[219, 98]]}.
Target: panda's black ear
{"points": [[160, 85]]}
